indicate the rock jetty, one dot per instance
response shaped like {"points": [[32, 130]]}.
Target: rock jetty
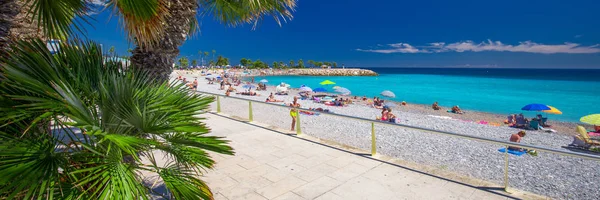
{"points": [[333, 72]]}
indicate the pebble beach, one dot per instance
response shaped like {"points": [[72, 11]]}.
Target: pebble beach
{"points": [[552, 175]]}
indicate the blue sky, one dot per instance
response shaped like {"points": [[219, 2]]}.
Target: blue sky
{"points": [[395, 33]]}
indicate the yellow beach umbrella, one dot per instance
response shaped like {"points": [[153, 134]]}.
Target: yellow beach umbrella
{"points": [[327, 82], [593, 119], [553, 110]]}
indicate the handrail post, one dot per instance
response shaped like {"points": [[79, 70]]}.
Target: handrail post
{"points": [[373, 140], [250, 118], [218, 104], [298, 129], [506, 170]]}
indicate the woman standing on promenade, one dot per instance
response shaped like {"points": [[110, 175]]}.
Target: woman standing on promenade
{"points": [[294, 111]]}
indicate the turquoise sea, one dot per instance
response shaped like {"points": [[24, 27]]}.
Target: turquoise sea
{"points": [[576, 92]]}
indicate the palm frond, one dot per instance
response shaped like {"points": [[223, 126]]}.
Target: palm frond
{"points": [[30, 166], [237, 12], [183, 184], [142, 19], [58, 18]]}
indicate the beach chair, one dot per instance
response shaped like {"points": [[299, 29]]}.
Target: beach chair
{"points": [[534, 124], [583, 139], [544, 120]]}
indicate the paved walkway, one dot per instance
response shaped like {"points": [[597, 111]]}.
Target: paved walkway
{"points": [[272, 165]]}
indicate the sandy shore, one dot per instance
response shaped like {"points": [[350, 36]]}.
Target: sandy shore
{"points": [[546, 174]]}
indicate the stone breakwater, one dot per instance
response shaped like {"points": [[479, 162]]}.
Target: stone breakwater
{"points": [[334, 72]]}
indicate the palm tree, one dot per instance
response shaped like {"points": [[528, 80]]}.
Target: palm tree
{"points": [[157, 29], [183, 62], [111, 51], [194, 63], [16, 24], [213, 54], [74, 127], [292, 64], [222, 61], [201, 58]]}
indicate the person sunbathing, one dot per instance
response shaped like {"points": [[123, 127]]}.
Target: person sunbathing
{"points": [[435, 106], [271, 98], [249, 93], [320, 109], [384, 114], [517, 138], [457, 110], [390, 116]]}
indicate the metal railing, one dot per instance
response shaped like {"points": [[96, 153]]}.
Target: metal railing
{"points": [[451, 134]]}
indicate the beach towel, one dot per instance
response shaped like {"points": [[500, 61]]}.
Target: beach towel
{"points": [[513, 152], [592, 133]]}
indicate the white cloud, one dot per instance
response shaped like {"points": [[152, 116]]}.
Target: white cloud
{"points": [[395, 48], [527, 46]]}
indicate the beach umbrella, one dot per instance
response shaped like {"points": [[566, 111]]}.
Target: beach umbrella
{"points": [[327, 82], [343, 91], [388, 93], [535, 107], [593, 119], [306, 89], [320, 90], [553, 110], [248, 86], [264, 81]]}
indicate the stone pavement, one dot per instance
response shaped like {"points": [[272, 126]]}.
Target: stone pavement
{"points": [[274, 165]]}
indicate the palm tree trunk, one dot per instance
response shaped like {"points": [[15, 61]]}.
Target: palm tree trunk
{"points": [[14, 24], [158, 60]]}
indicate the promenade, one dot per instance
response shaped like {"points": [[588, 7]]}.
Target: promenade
{"points": [[277, 165]]}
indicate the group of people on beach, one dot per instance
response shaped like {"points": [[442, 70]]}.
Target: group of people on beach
{"points": [[192, 85]]}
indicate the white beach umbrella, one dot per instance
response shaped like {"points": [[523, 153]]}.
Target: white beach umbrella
{"points": [[344, 91], [388, 93]]}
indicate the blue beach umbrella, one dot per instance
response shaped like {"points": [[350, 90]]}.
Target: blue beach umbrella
{"points": [[320, 90], [535, 107]]}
